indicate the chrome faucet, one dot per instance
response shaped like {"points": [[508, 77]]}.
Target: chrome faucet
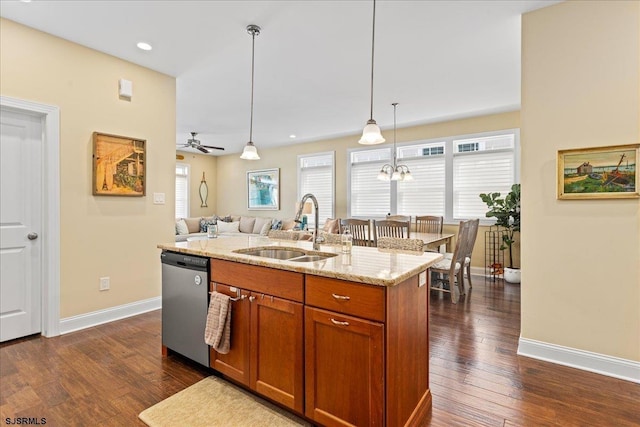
{"points": [[316, 239]]}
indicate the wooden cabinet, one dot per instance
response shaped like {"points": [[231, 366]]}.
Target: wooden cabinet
{"points": [[344, 369], [267, 339], [366, 353], [338, 352]]}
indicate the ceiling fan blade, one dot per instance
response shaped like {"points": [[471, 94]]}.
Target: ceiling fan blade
{"points": [[214, 148], [201, 148]]}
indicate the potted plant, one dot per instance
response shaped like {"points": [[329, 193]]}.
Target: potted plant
{"points": [[506, 211]]}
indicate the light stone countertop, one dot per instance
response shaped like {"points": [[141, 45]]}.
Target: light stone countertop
{"points": [[382, 267]]}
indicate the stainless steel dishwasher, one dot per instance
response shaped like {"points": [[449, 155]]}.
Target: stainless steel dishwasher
{"points": [[185, 301]]}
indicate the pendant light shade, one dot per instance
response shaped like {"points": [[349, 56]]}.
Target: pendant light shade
{"points": [[395, 172], [371, 134], [250, 151]]}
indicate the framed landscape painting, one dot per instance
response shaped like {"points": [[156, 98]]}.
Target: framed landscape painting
{"points": [[263, 189], [599, 173], [119, 165]]}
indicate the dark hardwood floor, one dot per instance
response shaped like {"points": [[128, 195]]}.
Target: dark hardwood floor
{"points": [[106, 375]]}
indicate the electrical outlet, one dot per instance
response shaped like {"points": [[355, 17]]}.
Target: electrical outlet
{"points": [[104, 283]]}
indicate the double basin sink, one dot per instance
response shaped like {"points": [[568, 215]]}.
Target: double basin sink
{"points": [[286, 254]]}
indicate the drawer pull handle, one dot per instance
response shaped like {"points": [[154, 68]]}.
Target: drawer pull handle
{"points": [[252, 298], [339, 323], [341, 297]]}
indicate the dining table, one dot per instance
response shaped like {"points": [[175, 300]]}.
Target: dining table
{"points": [[433, 241]]}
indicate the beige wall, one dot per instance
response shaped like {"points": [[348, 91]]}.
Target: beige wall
{"points": [[100, 236], [232, 199], [580, 258], [201, 163]]}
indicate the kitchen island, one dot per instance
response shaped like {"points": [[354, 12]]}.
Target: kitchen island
{"points": [[343, 340]]}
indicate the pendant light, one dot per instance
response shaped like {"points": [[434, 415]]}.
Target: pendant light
{"points": [[371, 134], [396, 172], [250, 152]]}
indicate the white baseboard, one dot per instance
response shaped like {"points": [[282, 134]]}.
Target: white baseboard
{"points": [[87, 320], [587, 361]]}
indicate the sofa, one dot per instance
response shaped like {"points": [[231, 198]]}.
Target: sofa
{"points": [[232, 224]]}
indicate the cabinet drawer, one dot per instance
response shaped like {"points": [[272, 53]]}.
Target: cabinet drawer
{"points": [[279, 283], [367, 301]]}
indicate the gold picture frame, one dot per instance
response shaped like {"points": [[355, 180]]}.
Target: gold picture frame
{"points": [[599, 172], [119, 165]]}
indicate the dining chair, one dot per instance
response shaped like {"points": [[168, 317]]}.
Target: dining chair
{"points": [[450, 270], [414, 245], [429, 224], [473, 234], [390, 228], [360, 230], [399, 217]]}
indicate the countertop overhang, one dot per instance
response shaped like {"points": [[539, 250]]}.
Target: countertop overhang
{"points": [[374, 266]]}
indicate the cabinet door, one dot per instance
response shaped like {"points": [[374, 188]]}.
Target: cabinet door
{"points": [[277, 350], [235, 364], [344, 382]]}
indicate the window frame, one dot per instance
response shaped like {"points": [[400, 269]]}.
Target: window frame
{"points": [[187, 167], [448, 156], [323, 217]]}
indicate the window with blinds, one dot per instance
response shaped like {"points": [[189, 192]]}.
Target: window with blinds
{"points": [[486, 168], [316, 175], [426, 193], [369, 197], [182, 190], [449, 174]]}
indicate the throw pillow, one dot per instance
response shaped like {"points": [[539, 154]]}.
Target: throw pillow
{"points": [[288, 224], [234, 218], [276, 224], [260, 223], [181, 227], [331, 225], [226, 218], [265, 229], [193, 224], [229, 227], [246, 224], [205, 222]]}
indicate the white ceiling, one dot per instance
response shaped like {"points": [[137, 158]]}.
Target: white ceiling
{"points": [[437, 59]]}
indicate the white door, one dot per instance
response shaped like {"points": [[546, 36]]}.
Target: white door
{"points": [[20, 224]]}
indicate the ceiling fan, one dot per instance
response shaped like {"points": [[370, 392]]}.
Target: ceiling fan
{"points": [[195, 143]]}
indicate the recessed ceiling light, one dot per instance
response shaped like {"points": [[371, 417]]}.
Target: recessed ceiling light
{"points": [[292, 136], [144, 46], [25, 1]]}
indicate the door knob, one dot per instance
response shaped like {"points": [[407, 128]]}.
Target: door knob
{"points": [[32, 236]]}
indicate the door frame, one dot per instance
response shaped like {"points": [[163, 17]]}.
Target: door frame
{"points": [[50, 118]]}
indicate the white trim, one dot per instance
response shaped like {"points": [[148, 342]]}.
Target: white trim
{"points": [[610, 366], [95, 318], [50, 207]]}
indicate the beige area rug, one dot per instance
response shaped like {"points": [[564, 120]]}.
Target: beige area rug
{"points": [[216, 402]]}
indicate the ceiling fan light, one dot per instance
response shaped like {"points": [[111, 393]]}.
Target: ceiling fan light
{"points": [[371, 134], [250, 152]]}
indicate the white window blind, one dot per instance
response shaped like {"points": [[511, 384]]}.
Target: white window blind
{"points": [[316, 176], [370, 197], [425, 195], [490, 169], [182, 190], [449, 175]]}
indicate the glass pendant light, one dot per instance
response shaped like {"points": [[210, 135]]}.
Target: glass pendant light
{"points": [[371, 134], [250, 152], [395, 172]]}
